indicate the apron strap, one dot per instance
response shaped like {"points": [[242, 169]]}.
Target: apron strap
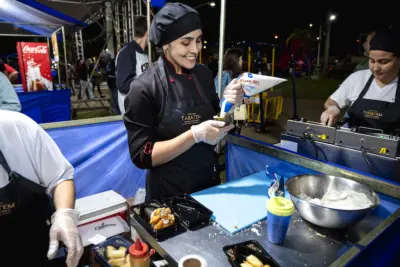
{"points": [[366, 87], [397, 98], [363, 92], [4, 163], [201, 91]]}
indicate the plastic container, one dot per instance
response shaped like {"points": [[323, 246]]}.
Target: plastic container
{"points": [[142, 214], [238, 253], [100, 250], [192, 213], [139, 254], [280, 211], [192, 260]]}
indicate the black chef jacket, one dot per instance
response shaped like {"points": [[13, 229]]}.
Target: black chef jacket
{"points": [[161, 105]]}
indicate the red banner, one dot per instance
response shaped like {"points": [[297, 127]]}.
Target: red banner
{"points": [[34, 63]]}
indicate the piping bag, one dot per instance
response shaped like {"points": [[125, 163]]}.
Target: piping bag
{"points": [[252, 84]]}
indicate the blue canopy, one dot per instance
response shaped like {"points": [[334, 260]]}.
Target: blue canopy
{"points": [[35, 17]]}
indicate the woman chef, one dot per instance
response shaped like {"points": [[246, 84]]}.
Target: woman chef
{"points": [[170, 109], [374, 94], [31, 167]]}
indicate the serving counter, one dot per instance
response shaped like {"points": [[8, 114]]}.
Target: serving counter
{"points": [[305, 244]]}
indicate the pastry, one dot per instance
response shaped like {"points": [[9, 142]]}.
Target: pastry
{"points": [[162, 218], [110, 249], [120, 262], [254, 261]]}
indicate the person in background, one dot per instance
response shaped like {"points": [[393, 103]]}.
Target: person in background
{"points": [[213, 64], [32, 168], [96, 77], [71, 77], [373, 95], [232, 67], [112, 85], [132, 60], [11, 73], [8, 97], [82, 71], [170, 109], [364, 64]]}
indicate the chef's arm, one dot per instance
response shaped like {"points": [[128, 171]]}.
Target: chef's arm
{"points": [[166, 151], [330, 102], [64, 195], [331, 113]]}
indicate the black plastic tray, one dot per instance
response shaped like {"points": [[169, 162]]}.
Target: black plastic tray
{"points": [[192, 213], [100, 250], [142, 213], [237, 253]]}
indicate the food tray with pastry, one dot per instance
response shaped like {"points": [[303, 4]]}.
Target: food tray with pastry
{"points": [[113, 252], [191, 212], [249, 254], [158, 220]]}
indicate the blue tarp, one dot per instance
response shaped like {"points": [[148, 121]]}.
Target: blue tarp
{"points": [[46, 106], [99, 153]]}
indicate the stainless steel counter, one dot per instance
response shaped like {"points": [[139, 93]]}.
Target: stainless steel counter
{"points": [[305, 244]]}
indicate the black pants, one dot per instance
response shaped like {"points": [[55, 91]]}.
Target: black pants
{"points": [[113, 95]]}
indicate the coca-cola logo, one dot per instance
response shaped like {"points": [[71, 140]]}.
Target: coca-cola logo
{"points": [[41, 49]]}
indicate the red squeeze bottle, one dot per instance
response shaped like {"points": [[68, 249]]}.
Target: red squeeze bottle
{"points": [[138, 254]]}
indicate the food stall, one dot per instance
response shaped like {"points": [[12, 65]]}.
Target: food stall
{"points": [[239, 215]]}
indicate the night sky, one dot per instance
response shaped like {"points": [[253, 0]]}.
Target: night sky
{"points": [[247, 20]]}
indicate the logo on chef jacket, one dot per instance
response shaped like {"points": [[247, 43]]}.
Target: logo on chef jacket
{"points": [[372, 114], [6, 208], [144, 67], [191, 119]]}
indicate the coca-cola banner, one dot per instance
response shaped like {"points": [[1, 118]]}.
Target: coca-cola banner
{"points": [[34, 63]]}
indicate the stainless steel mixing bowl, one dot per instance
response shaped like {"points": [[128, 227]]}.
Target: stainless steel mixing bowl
{"points": [[315, 186]]}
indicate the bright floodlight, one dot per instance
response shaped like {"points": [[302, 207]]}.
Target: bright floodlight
{"points": [[212, 4], [332, 17], [311, 25]]}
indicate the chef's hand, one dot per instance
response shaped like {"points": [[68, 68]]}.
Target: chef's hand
{"points": [[329, 116], [64, 228], [234, 93], [211, 131]]}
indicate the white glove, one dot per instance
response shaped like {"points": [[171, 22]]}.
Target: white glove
{"points": [[64, 228], [234, 93], [211, 131], [328, 117]]}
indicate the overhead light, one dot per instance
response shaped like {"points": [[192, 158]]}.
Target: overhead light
{"points": [[310, 25], [212, 4], [317, 38], [205, 47], [276, 36], [205, 41], [332, 17]]}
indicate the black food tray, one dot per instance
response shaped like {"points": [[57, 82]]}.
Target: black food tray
{"points": [[191, 212], [142, 213], [100, 250], [237, 253]]}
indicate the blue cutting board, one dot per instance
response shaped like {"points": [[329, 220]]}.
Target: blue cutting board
{"points": [[242, 202]]}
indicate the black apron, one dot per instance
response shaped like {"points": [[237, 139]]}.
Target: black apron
{"points": [[25, 212], [194, 170], [375, 114]]}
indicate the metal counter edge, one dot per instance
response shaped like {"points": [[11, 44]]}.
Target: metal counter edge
{"points": [[319, 166]]}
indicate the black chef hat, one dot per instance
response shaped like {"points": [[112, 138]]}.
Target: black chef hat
{"points": [[386, 40], [173, 21]]}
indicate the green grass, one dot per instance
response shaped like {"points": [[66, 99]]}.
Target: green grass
{"points": [[310, 89]]}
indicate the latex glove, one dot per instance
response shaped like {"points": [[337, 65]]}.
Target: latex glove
{"points": [[234, 93], [64, 228], [211, 131], [329, 116]]}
